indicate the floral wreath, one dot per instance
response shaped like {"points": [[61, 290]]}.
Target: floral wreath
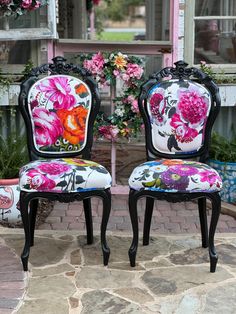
{"points": [[20, 7], [126, 121]]}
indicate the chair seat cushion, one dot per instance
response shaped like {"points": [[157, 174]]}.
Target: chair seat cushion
{"points": [[63, 175], [175, 175]]}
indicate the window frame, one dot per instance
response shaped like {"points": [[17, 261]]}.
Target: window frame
{"points": [[189, 35], [48, 32]]}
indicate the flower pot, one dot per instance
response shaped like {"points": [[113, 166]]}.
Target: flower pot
{"points": [[9, 198], [227, 171]]}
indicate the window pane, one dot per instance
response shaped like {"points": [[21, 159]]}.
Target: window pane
{"points": [[16, 52], [120, 20], [215, 7], [215, 41], [34, 19]]}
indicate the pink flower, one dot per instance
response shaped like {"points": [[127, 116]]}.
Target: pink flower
{"points": [[109, 132], [157, 106], [40, 182], [54, 168], [96, 2], [209, 176], [96, 64], [193, 108], [183, 132], [57, 89], [134, 103], [132, 71], [47, 126], [116, 73], [26, 4]]}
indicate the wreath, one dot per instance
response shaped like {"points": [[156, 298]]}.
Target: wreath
{"points": [[107, 68]]}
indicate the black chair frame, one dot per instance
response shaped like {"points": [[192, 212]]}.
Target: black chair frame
{"points": [[180, 71], [30, 199]]}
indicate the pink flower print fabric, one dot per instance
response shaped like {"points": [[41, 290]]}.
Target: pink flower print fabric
{"points": [[63, 176], [175, 176], [47, 126], [58, 90], [59, 106], [178, 114]]}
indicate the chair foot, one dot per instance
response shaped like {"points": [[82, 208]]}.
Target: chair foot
{"points": [[145, 242], [213, 262], [24, 260], [106, 255], [132, 256]]}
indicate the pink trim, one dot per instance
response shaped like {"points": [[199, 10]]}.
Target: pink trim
{"points": [[167, 60], [113, 148], [5, 182], [51, 52], [174, 28]]}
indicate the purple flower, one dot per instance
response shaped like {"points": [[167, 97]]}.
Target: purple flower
{"points": [[174, 180], [183, 170]]}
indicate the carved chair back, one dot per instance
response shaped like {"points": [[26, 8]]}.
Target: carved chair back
{"points": [[179, 106], [59, 103]]}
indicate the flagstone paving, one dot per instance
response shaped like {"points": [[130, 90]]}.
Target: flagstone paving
{"points": [[67, 276]]}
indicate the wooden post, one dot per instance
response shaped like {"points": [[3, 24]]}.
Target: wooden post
{"points": [[113, 147]]}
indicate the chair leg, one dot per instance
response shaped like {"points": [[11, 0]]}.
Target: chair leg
{"points": [[88, 219], [134, 221], [147, 219], [32, 218], [203, 221], [105, 218], [25, 219], [216, 207]]}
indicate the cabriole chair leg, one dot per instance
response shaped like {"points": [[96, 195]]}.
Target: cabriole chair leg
{"points": [[32, 219], [216, 206], [134, 221], [105, 217], [203, 221], [88, 219], [25, 220], [147, 220]]}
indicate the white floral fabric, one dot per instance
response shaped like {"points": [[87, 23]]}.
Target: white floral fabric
{"points": [[175, 175], [63, 175], [178, 112], [59, 106]]}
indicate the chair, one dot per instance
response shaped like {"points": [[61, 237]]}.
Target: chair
{"points": [[179, 106], [59, 103]]}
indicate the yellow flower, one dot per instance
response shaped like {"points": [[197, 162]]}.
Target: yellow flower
{"points": [[80, 162], [119, 61]]}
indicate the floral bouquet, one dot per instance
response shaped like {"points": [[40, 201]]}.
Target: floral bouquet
{"points": [[106, 68], [20, 7]]}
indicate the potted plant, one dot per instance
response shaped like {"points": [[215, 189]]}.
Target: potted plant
{"points": [[223, 159], [225, 82], [13, 155]]}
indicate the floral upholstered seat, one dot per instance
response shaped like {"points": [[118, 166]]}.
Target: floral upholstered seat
{"points": [[175, 175], [63, 175]]}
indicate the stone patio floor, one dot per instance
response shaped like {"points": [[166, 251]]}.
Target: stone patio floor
{"points": [[67, 276]]}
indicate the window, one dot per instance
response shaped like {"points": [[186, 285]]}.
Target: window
{"points": [[40, 24], [211, 32], [120, 20]]}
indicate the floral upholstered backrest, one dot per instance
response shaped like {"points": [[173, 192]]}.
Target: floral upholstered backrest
{"points": [[178, 111], [59, 107]]}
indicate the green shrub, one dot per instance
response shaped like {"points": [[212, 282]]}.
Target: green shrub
{"points": [[222, 148], [13, 155]]}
